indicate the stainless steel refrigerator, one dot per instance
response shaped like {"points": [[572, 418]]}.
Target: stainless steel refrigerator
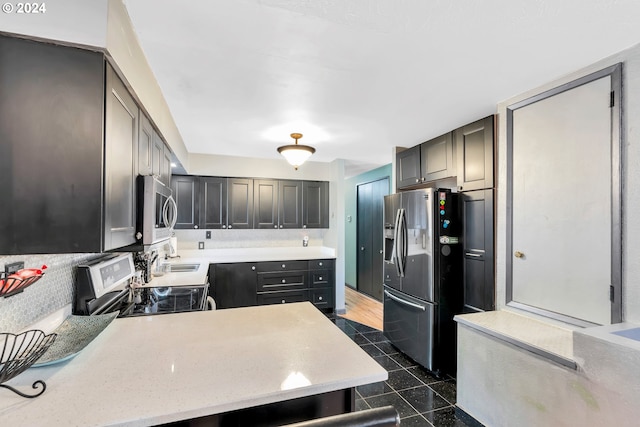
{"points": [[423, 275]]}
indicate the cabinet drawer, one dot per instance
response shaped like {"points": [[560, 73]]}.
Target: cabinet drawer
{"points": [[320, 264], [321, 278], [283, 297], [281, 281], [322, 297], [281, 266]]}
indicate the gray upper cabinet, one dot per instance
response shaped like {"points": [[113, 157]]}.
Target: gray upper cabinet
{"points": [[437, 158], [290, 204], [265, 194], [213, 202], [430, 161], [186, 192], [66, 151], [145, 146], [315, 198], [240, 203], [247, 203], [408, 171], [154, 156], [121, 139], [474, 145]]}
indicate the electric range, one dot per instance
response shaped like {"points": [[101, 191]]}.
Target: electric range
{"points": [[103, 286]]}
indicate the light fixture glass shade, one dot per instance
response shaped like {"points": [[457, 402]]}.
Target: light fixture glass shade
{"points": [[296, 154]]}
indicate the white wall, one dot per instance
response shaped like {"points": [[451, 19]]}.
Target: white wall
{"points": [[630, 176], [214, 165], [71, 21]]}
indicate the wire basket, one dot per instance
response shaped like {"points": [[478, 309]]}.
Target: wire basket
{"points": [[11, 284], [21, 351]]}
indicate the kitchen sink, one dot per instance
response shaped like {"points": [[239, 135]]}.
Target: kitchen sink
{"points": [[184, 268]]}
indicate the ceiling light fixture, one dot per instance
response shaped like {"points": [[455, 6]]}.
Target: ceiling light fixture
{"points": [[296, 154]]}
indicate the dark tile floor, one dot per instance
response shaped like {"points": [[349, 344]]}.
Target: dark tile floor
{"points": [[420, 398]]}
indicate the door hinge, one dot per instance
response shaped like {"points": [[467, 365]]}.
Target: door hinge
{"points": [[612, 99], [611, 293]]}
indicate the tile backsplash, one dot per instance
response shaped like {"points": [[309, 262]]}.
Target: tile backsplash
{"points": [[52, 292], [188, 239]]}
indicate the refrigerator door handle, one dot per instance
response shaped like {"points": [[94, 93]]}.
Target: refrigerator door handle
{"points": [[405, 302], [396, 244], [402, 234]]}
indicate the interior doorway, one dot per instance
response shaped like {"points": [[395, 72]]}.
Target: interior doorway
{"points": [[370, 209]]}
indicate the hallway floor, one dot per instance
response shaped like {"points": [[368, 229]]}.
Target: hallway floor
{"points": [[420, 398]]}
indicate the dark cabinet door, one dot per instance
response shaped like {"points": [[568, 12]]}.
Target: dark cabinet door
{"points": [[121, 139], [265, 193], [145, 146], [474, 147], [290, 204], [437, 159], [187, 196], [213, 202], [165, 166], [315, 196], [234, 285], [51, 148], [408, 167], [157, 155], [240, 203], [479, 279]]}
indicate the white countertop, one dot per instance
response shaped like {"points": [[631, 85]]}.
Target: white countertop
{"points": [[205, 257], [163, 368]]}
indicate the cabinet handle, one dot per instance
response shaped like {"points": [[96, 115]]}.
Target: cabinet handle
{"points": [[304, 226], [224, 226], [380, 250], [195, 226], [231, 226], [320, 278], [281, 226], [320, 263], [518, 254], [423, 179], [362, 248], [275, 226], [253, 267], [283, 301], [320, 298], [284, 281], [284, 266], [417, 179], [473, 255]]}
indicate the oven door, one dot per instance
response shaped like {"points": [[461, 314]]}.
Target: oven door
{"points": [[409, 325]]}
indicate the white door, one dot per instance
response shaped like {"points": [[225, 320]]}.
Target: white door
{"points": [[562, 203]]}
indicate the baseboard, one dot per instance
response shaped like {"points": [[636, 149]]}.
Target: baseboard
{"points": [[466, 418]]}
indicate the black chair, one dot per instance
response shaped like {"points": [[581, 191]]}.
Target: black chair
{"points": [[386, 416]]}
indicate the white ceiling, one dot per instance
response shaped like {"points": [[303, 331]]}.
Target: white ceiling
{"points": [[358, 77]]}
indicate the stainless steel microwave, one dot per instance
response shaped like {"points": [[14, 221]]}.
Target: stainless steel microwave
{"points": [[157, 211]]}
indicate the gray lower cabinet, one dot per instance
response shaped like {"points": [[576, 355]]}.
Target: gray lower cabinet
{"points": [[478, 250], [261, 283], [68, 132]]}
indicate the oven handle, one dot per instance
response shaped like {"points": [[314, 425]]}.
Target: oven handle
{"points": [[405, 302]]}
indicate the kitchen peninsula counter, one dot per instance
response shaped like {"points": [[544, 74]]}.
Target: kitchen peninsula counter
{"points": [[158, 369]]}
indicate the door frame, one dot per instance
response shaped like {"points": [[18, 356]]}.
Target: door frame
{"points": [[615, 73]]}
